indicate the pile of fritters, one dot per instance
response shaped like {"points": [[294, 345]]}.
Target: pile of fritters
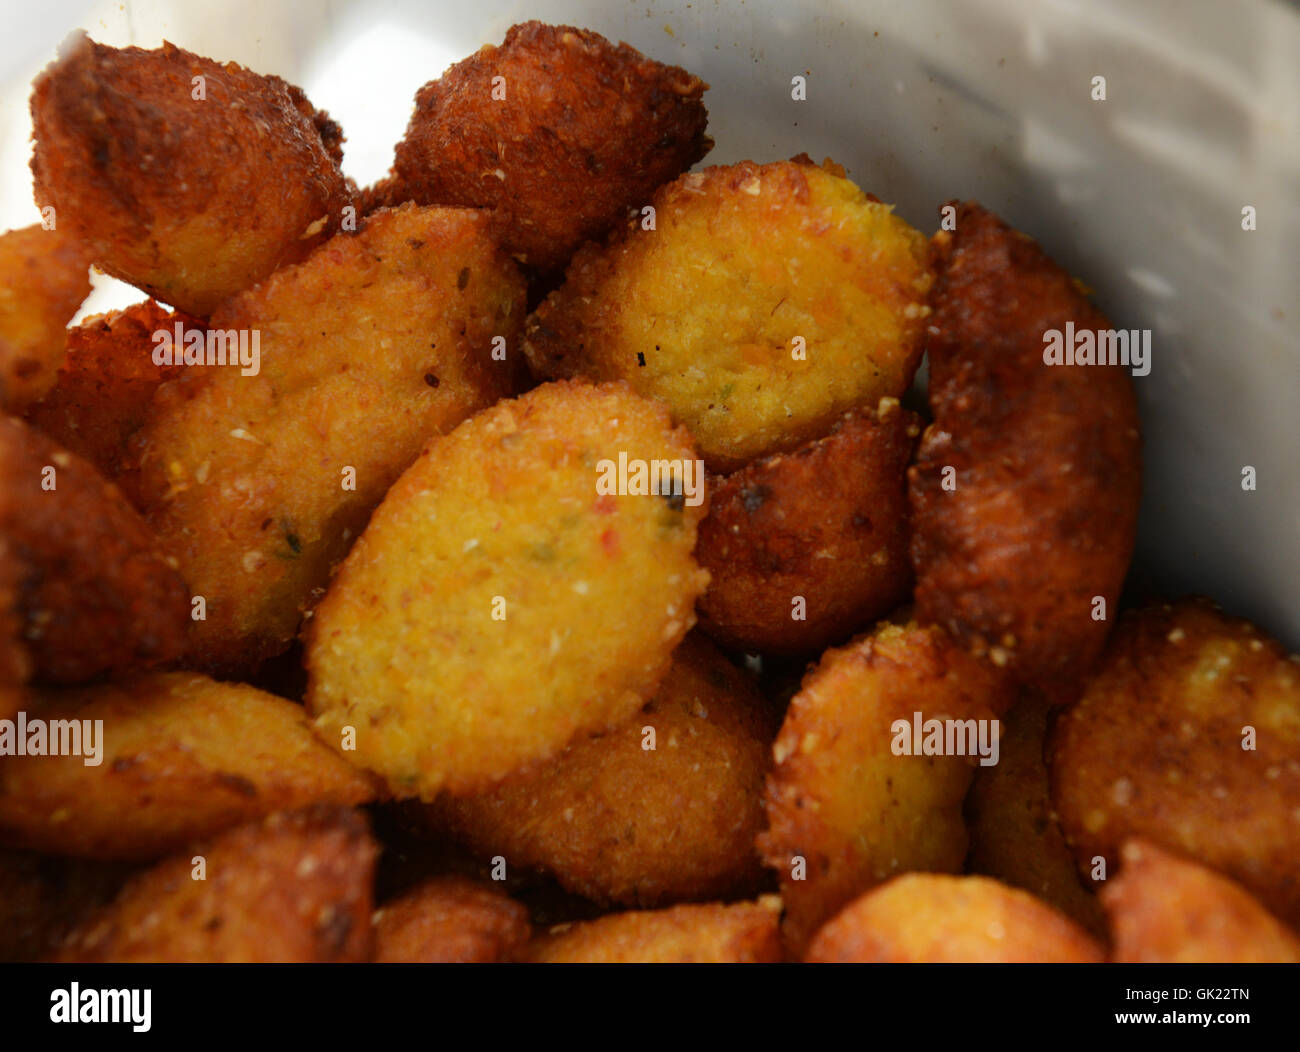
{"points": [[383, 669]]}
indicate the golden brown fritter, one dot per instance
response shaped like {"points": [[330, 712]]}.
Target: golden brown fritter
{"points": [[1166, 910], [451, 920], [743, 933], [767, 300], [1188, 736], [176, 757], [499, 604], [105, 387], [1041, 513], [661, 809], [44, 276], [42, 898], [292, 888], [190, 199], [846, 810], [97, 594], [932, 918], [806, 548], [258, 484], [1014, 834], [558, 131]]}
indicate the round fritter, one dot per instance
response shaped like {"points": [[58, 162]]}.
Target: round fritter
{"points": [[499, 603], [1188, 736], [1166, 910], [743, 933], [853, 800], [806, 548], [44, 276], [258, 483], [557, 131], [1014, 835], [163, 759], [932, 918], [450, 920], [96, 590], [294, 887], [106, 385], [1042, 463], [767, 300], [663, 808], [191, 199]]}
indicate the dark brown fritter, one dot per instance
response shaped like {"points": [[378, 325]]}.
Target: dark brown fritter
{"points": [[43, 897], [1188, 737], [106, 386], [44, 276], [96, 593], [1047, 460], [827, 523], [292, 888], [191, 200], [451, 920], [586, 129]]}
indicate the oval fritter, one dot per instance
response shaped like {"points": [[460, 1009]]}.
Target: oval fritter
{"points": [[767, 300], [258, 483], [847, 805], [499, 603], [807, 548], [189, 198], [1188, 736], [663, 808], [450, 920], [1026, 487], [1166, 910], [557, 131], [932, 918], [164, 759]]}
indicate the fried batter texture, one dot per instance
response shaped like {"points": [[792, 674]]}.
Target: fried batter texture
{"points": [[932, 918], [557, 131], [499, 605], [1038, 516], [845, 810], [451, 920], [806, 548], [258, 483], [188, 178], [1188, 737], [767, 300], [662, 809]]}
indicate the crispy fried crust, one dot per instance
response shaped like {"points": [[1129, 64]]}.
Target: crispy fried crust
{"points": [[931, 918], [1166, 910], [451, 920], [96, 595], [181, 757], [705, 311], [1188, 737], [105, 387], [827, 524], [191, 200], [43, 898], [1014, 834], [292, 888], [620, 822], [743, 933], [841, 799], [498, 605], [44, 276], [1047, 460], [585, 130], [258, 483]]}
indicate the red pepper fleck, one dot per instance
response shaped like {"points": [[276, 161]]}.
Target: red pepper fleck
{"points": [[605, 504], [610, 540]]}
